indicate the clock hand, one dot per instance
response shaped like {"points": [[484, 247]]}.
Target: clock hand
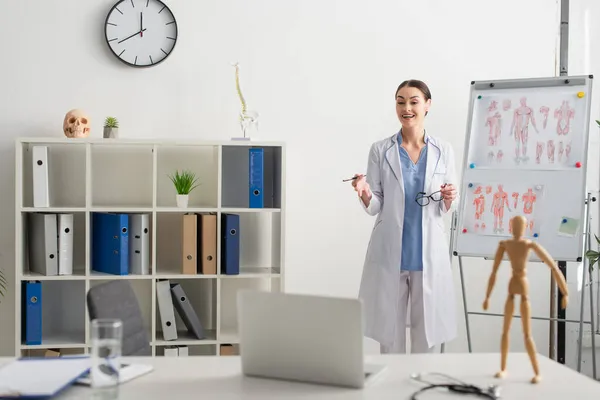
{"points": [[141, 25], [129, 37]]}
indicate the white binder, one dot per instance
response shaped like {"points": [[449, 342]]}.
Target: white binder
{"points": [[165, 308], [182, 351], [65, 244], [43, 243], [41, 193], [139, 242], [171, 351]]}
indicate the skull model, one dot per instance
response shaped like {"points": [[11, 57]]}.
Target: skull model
{"points": [[76, 124]]}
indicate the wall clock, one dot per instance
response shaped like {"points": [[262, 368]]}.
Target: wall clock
{"points": [[141, 33]]}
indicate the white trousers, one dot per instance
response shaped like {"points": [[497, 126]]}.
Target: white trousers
{"points": [[411, 293]]}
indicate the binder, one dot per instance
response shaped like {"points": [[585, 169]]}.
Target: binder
{"points": [[43, 243], [65, 244], [171, 351], [256, 177], [230, 244], [110, 243], [165, 309], [139, 251], [207, 244], [41, 190], [186, 311], [31, 322], [189, 244], [182, 351]]}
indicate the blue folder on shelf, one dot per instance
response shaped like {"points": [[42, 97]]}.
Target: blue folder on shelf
{"points": [[31, 322], [230, 244], [110, 243], [256, 177]]}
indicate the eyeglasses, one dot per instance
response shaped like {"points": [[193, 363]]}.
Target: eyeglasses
{"points": [[424, 199]]}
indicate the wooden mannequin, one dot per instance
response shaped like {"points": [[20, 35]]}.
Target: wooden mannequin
{"points": [[518, 250]]}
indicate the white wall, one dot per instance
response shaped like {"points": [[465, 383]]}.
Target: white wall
{"points": [[322, 75]]}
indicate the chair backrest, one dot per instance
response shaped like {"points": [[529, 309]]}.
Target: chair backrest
{"points": [[116, 299]]}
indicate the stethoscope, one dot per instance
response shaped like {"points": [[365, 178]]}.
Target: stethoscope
{"points": [[492, 392]]}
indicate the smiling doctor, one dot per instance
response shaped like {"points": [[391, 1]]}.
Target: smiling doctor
{"points": [[410, 184]]}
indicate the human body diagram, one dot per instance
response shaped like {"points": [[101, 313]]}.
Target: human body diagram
{"points": [[522, 117], [563, 115], [551, 145], [494, 204]]}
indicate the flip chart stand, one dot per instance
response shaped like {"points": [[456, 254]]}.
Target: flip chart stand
{"points": [[586, 275]]}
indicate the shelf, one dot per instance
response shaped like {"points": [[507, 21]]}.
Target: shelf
{"points": [[63, 314], [199, 160], [121, 175], [202, 297], [71, 240], [66, 175], [236, 173], [131, 176], [260, 243]]}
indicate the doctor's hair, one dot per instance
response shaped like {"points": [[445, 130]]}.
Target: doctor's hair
{"points": [[415, 83]]}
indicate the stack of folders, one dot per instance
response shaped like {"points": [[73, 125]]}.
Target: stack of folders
{"points": [[121, 243], [50, 240], [167, 295], [176, 351], [199, 244]]}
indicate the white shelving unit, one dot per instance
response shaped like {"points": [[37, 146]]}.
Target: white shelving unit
{"points": [[131, 176]]}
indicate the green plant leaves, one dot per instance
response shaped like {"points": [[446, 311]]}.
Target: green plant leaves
{"points": [[593, 256], [184, 182], [111, 122]]}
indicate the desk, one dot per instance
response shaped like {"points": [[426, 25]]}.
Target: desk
{"points": [[206, 377]]}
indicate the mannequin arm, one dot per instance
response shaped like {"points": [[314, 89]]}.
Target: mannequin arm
{"points": [[556, 274], [497, 262]]}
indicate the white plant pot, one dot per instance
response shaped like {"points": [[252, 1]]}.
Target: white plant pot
{"points": [[111, 133], [182, 200]]}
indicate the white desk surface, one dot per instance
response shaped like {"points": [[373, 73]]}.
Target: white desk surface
{"points": [[207, 377]]}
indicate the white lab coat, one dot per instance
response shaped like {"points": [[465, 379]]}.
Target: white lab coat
{"points": [[380, 284]]}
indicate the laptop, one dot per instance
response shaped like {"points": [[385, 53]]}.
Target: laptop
{"points": [[306, 338]]}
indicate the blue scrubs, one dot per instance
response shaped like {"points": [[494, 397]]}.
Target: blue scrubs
{"points": [[413, 175]]}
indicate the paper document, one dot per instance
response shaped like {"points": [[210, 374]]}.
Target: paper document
{"points": [[40, 377]]}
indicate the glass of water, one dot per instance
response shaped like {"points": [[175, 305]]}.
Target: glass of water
{"points": [[106, 338]]}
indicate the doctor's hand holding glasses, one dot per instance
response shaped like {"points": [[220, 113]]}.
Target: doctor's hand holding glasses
{"points": [[446, 193]]}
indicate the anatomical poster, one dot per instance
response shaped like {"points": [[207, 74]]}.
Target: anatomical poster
{"points": [[530, 130], [491, 205]]}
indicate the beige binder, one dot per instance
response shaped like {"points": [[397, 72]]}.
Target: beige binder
{"points": [[207, 244], [189, 245]]}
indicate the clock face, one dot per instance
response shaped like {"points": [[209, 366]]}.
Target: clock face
{"points": [[141, 33]]}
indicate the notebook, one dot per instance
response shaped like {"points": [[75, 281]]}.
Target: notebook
{"points": [[52, 375]]}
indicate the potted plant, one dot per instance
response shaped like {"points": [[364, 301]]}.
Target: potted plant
{"points": [[593, 256], [111, 128], [3, 283], [184, 182]]}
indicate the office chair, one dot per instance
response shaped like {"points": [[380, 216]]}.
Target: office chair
{"points": [[116, 299]]}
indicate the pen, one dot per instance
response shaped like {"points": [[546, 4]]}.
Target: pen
{"points": [[351, 179]]}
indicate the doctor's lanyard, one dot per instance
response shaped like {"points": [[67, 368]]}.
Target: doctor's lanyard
{"points": [[492, 392]]}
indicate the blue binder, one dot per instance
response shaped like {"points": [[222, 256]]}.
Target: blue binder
{"points": [[230, 244], [256, 177], [110, 243], [31, 319]]}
